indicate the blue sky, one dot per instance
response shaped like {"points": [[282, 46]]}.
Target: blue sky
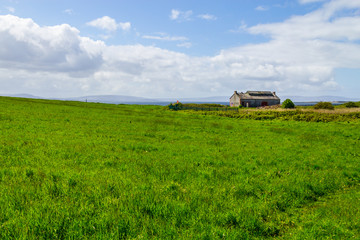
{"points": [[209, 26], [176, 48]]}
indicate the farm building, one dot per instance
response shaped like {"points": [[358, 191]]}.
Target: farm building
{"points": [[254, 99]]}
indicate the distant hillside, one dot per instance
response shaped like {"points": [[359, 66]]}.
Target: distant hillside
{"points": [[115, 99], [21, 95], [196, 100]]}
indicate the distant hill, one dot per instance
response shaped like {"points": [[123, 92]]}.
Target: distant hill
{"points": [[196, 100], [21, 95], [114, 99]]}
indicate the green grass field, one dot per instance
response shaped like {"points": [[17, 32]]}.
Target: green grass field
{"points": [[72, 170]]}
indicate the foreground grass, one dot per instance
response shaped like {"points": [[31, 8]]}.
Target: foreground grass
{"points": [[336, 217], [86, 170]]}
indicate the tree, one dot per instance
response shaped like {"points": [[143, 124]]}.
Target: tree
{"points": [[324, 105], [288, 104]]}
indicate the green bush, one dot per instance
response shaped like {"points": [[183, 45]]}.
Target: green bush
{"points": [[351, 105], [175, 106], [324, 105], [288, 104]]}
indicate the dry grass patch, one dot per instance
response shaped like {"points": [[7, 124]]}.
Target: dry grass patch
{"points": [[335, 111]]}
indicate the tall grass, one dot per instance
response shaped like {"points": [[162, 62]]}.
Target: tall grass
{"points": [[71, 170]]}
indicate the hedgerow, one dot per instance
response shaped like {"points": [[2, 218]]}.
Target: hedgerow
{"points": [[297, 115], [352, 104]]}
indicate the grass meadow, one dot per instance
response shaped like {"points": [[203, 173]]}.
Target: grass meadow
{"points": [[72, 170]]}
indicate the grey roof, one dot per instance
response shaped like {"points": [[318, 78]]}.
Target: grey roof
{"points": [[257, 95]]}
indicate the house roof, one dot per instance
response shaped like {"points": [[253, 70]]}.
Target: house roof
{"points": [[257, 95]]}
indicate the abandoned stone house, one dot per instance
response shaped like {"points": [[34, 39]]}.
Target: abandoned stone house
{"points": [[254, 99]]}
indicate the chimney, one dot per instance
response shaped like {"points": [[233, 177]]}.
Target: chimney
{"points": [[235, 92], [274, 93]]}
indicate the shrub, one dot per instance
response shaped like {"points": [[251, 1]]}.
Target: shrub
{"points": [[288, 104], [175, 106], [351, 105], [324, 105]]}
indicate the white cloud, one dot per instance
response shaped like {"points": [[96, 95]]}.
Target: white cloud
{"points": [[109, 24], [174, 14], [310, 1], [322, 24], [27, 46], [105, 22], [165, 37], [300, 57], [124, 26], [241, 28], [11, 9], [180, 15], [261, 8], [69, 11], [105, 36], [208, 17], [185, 45]]}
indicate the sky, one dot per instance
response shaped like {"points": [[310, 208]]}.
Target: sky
{"points": [[179, 48]]}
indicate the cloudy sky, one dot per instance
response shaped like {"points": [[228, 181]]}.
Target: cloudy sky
{"points": [[179, 48]]}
